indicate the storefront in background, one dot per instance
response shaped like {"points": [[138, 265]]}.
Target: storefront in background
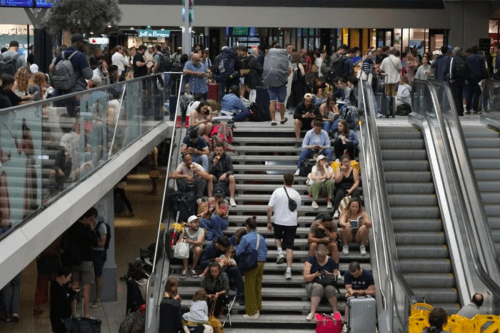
{"points": [[494, 33], [148, 37], [23, 34]]}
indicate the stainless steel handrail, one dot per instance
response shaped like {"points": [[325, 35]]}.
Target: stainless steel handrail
{"points": [[375, 172], [476, 223], [153, 299]]}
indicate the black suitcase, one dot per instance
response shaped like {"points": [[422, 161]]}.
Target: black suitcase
{"points": [[262, 98], [170, 316], [386, 105]]}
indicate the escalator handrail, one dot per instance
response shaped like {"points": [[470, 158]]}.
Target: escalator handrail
{"points": [[160, 246], [465, 170], [466, 163], [387, 228]]}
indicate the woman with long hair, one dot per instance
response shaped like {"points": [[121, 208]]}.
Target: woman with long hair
{"points": [[216, 284], [346, 183], [22, 79], [330, 113], [200, 119], [355, 224], [345, 139]]}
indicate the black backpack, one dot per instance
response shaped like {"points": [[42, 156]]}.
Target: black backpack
{"points": [[258, 114], [71, 251], [461, 69], [8, 64], [108, 233], [306, 168], [336, 69], [165, 63]]}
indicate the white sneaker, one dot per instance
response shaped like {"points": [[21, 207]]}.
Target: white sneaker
{"points": [[329, 205], [288, 275], [314, 205], [280, 259], [362, 249], [336, 215], [344, 328], [297, 172], [232, 202], [198, 201], [345, 249], [310, 316], [255, 316]]}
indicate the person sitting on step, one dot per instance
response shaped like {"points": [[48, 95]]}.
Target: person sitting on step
{"points": [[222, 171], [305, 113], [194, 236], [215, 216], [346, 183], [345, 139], [200, 119], [236, 238], [324, 231], [358, 282], [190, 176], [197, 147], [319, 272], [231, 105], [355, 224], [321, 182], [315, 141]]}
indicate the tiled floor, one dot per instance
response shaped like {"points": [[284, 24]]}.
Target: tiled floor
{"points": [[131, 233]]}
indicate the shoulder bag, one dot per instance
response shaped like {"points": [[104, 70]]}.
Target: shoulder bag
{"points": [[248, 259], [292, 205]]}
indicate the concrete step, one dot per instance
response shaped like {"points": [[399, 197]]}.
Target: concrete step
{"points": [[261, 158], [265, 188], [266, 178], [263, 140], [262, 167], [239, 220], [268, 149], [240, 209]]}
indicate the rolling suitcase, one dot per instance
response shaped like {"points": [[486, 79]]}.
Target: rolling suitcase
{"points": [[262, 99], [387, 105], [170, 316], [214, 91], [362, 314]]}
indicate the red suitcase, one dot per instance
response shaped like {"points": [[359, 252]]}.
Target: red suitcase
{"points": [[214, 91]]}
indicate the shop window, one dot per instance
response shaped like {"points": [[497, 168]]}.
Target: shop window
{"points": [[398, 40], [494, 32]]}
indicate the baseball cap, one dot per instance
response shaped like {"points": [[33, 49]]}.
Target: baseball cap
{"points": [[78, 38], [192, 218], [34, 68], [218, 191]]}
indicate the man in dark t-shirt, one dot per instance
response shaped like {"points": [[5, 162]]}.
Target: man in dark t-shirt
{"points": [[358, 281], [140, 68], [198, 148]]}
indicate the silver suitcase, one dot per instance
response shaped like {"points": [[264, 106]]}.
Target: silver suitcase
{"points": [[362, 316]]}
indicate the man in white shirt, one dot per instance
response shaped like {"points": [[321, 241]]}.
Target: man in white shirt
{"points": [[119, 60], [391, 66], [285, 221]]}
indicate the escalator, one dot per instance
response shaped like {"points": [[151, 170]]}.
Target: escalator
{"points": [[418, 230], [483, 144]]}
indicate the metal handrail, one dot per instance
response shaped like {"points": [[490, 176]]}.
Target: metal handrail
{"points": [[382, 207], [480, 242], [152, 308]]}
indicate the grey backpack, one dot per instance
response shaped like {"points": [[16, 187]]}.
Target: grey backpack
{"points": [[8, 64], [63, 75]]}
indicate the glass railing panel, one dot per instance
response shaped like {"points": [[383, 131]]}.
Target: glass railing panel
{"points": [[49, 146], [490, 97]]}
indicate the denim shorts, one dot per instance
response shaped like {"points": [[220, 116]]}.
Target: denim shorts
{"points": [[277, 94]]}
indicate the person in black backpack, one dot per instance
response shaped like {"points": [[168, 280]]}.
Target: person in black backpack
{"points": [[459, 71], [478, 73], [11, 60], [103, 232]]}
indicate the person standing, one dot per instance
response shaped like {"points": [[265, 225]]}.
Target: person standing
{"points": [[391, 66], [13, 53], [197, 73], [99, 253], [253, 277], [139, 63], [119, 60], [285, 221], [459, 71], [275, 76], [478, 73], [61, 298]]}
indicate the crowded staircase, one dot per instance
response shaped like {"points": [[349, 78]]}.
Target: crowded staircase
{"points": [[264, 154], [421, 242], [483, 144]]}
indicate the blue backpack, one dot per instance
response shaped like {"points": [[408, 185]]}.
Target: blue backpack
{"points": [[223, 65]]}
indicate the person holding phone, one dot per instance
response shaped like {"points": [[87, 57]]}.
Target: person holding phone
{"points": [[315, 141], [355, 224], [305, 113], [61, 297]]}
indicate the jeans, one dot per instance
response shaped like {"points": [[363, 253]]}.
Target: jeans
{"points": [[11, 302], [458, 95], [201, 159], [331, 127], [214, 226], [473, 94], [307, 153]]}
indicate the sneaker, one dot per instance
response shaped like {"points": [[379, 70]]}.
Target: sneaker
{"points": [[241, 300], [344, 328], [281, 259], [198, 201], [273, 123], [7, 320], [329, 205], [95, 305], [297, 172], [336, 215], [298, 144], [184, 274], [345, 249], [232, 202], [314, 205], [15, 317], [362, 249], [310, 316], [288, 275], [284, 121], [255, 316], [467, 112], [193, 273]]}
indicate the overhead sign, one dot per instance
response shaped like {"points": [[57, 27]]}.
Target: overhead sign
{"points": [[154, 33], [45, 3], [99, 41], [16, 3], [240, 31]]}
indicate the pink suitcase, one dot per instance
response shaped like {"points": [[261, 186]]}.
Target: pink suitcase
{"points": [[327, 324]]}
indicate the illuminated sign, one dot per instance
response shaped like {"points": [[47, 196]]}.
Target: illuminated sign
{"points": [[154, 33], [99, 41], [16, 3], [45, 3]]}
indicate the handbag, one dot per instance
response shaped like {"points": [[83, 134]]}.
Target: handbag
{"points": [[327, 324], [309, 180], [214, 322], [248, 259], [181, 250], [344, 203], [326, 280], [292, 205]]}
